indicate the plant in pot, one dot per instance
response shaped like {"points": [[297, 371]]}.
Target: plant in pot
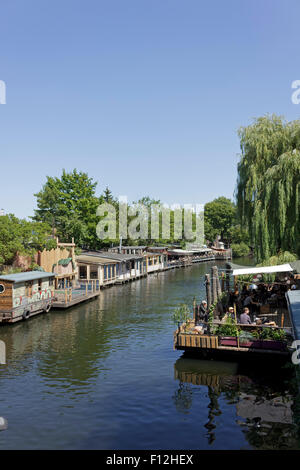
{"points": [[182, 315], [211, 327], [272, 338], [228, 333]]}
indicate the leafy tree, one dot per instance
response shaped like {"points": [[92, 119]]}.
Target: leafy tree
{"points": [[219, 217], [69, 204], [267, 193], [239, 249], [21, 236]]}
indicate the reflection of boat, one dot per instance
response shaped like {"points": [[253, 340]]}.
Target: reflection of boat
{"points": [[263, 404], [203, 372]]}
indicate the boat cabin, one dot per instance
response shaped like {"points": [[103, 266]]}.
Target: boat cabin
{"points": [[23, 295]]}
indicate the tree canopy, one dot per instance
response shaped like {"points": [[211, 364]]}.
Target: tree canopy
{"points": [[21, 236], [268, 181], [69, 205]]}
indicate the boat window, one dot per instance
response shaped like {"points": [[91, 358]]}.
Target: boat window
{"points": [[2, 288], [29, 288]]}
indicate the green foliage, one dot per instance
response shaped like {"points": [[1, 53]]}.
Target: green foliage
{"points": [[240, 249], [281, 258], [181, 314], [219, 217], [267, 192], [272, 333], [21, 236], [69, 205], [229, 328], [51, 244]]}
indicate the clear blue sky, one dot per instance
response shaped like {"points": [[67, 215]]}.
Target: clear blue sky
{"points": [[145, 96]]}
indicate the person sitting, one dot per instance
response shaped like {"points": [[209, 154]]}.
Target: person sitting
{"points": [[201, 314], [229, 314], [245, 317]]}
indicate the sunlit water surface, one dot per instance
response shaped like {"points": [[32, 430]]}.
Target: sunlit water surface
{"points": [[104, 375]]}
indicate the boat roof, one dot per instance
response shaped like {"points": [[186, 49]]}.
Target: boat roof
{"points": [[94, 259], [240, 270], [179, 251], [113, 256], [27, 276], [281, 268], [293, 298]]}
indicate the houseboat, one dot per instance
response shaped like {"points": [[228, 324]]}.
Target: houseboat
{"points": [[110, 268], [23, 295], [270, 329]]}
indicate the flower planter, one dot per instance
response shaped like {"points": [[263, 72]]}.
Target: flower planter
{"points": [[228, 341], [273, 344], [251, 344], [264, 344]]}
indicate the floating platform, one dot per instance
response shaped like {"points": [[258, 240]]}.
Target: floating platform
{"points": [[185, 339], [69, 298]]}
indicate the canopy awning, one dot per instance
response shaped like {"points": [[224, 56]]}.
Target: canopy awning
{"points": [[282, 268]]}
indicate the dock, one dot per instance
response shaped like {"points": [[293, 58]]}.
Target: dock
{"points": [[185, 339], [271, 330], [65, 298]]}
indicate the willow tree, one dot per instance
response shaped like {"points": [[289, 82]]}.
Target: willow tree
{"points": [[268, 181]]}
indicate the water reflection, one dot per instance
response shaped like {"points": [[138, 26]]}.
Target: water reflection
{"points": [[101, 376], [264, 402]]}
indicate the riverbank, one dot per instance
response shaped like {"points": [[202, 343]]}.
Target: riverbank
{"points": [[109, 365]]}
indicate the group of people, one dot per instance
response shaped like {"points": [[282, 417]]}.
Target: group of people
{"points": [[201, 318], [261, 294]]}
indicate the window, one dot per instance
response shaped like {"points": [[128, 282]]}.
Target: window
{"points": [[2, 288], [94, 272], [28, 286], [82, 272]]}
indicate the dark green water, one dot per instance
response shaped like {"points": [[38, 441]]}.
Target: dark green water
{"points": [[104, 375]]}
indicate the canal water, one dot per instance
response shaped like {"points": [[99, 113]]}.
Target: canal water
{"points": [[104, 375]]}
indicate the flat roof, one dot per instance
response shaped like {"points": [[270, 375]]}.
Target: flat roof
{"points": [[281, 268], [94, 259], [112, 256], [133, 247], [27, 276], [293, 298], [180, 252]]}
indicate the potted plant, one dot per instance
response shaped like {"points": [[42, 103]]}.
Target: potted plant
{"points": [[228, 333], [249, 339], [272, 338], [266, 338], [181, 316]]}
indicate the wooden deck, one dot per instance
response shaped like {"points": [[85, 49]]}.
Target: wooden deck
{"points": [[190, 341], [65, 298], [74, 301]]}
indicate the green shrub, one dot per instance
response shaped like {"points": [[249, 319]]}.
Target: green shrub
{"points": [[239, 249]]}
